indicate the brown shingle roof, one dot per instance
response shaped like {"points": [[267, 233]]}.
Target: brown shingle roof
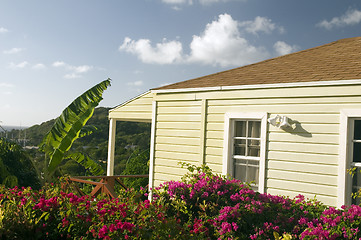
{"points": [[340, 60]]}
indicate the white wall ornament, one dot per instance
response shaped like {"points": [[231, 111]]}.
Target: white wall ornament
{"points": [[282, 122]]}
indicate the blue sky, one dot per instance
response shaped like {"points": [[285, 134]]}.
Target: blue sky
{"points": [[52, 51]]}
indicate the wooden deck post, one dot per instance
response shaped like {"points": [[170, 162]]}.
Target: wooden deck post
{"points": [[111, 147]]}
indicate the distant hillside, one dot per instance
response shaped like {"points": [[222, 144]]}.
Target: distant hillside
{"points": [[129, 137]]}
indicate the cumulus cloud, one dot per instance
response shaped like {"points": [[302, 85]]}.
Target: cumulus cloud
{"points": [[5, 88], [221, 44], [3, 30], [58, 64], [81, 69], [136, 83], [38, 66], [7, 85], [163, 53], [203, 2], [283, 48], [18, 66], [351, 17], [72, 76], [261, 24], [178, 1], [13, 51], [75, 71]]}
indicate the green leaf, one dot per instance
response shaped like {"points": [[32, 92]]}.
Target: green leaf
{"points": [[67, 126], [94, 167], [87, 130]]}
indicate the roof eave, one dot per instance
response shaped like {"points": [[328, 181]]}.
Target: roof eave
{"points": [[264, 86]]}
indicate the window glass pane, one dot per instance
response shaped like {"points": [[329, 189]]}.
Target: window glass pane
{"points": [[247, 171], [240, 129], [254, 129], [356, 180], [253, 148], [357, 130], [357, 152], [240, 170], [240, 147]]}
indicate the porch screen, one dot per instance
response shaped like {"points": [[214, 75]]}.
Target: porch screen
{"points": [[246, 151]]}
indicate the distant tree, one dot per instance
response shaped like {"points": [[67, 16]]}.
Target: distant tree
{"points": [[16, 168]]}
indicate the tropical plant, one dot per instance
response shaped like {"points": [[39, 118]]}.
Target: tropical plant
{"points": [[67, 129], [16, 169]]}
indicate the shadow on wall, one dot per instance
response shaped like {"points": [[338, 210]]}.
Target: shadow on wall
{"points": [[296, 128]]}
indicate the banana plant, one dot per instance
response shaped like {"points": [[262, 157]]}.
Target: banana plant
{"points": [[67, 129]]}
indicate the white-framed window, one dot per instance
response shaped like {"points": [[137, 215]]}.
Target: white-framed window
{"points": [[244, 147], [355, 155], [350, 156]]}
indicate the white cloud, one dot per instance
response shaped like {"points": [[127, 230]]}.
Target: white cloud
{"points": [[221, 44], [203, 2], [72, 76], [39, 66], [58, 64], [3, 30], [81, 69], [136, 83], [351, 17], [261, 24], [13, 51], [178, 1], [8, 85], [163, 53], [75, 71], [283, 48], [18, 66]]}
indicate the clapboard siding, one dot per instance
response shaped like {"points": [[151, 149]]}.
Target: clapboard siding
{"points": [[303, 167], [299, 161], [138, 109], [302, 158], [322, 138], [302, 177], [178, 140], [177, 137], [295, 186], [301, 117]]}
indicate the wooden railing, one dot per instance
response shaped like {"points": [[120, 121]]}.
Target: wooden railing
{"points": [[105, 185]]}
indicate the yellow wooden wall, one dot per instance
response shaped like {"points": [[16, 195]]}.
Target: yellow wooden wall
{"points": [[303, 161], [138, 109]]}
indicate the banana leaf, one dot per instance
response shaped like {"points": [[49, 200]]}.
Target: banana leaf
{"points": [[87, 162], [68, 125]]}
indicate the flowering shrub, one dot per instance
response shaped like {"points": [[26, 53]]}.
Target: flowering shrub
{"points": [[200, 206]]}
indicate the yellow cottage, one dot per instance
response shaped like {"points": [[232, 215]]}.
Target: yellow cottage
{"points": [[291, 124]]}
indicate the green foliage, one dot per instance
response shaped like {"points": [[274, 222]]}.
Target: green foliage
{"points": [[137, 164], [94, 145], [87, 163], [15, 166], [201, 206], [68, 125]]}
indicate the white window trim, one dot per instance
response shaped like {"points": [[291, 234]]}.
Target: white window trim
{"points": [[344, 184], [228, 118]]}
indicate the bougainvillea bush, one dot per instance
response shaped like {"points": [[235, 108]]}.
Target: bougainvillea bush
{"points": [[200, 206]]}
